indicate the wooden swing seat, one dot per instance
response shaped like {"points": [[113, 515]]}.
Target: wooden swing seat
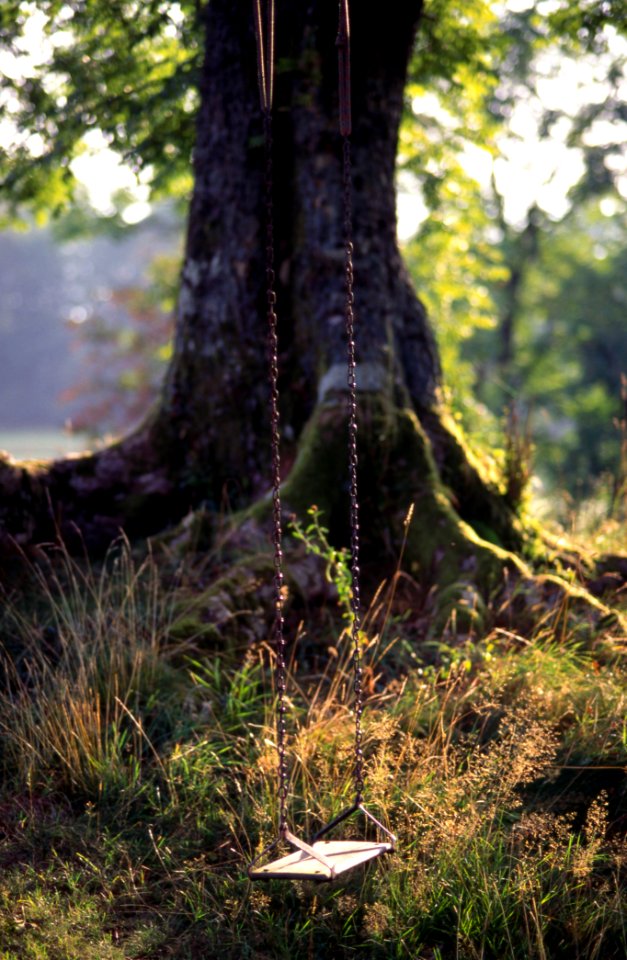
{"points": [[327, 860], [322, 859]]}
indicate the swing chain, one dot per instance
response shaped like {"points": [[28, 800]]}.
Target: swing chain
{"points": [[265, 50], [358, 769], [273, 349], [343, 45], [265, 62]]}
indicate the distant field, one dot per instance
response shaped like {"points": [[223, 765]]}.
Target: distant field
{"points": [[26, 444]]}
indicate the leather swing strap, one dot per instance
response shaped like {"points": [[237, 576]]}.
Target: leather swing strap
{"points": [[344, 64], [264, 35]]}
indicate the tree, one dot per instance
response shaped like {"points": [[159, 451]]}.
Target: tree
{"points": [[526, 285], [571, 350], [559, 342], [206, 442]]}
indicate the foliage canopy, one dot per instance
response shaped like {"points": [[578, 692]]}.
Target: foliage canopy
{"points": [[130, 70]]}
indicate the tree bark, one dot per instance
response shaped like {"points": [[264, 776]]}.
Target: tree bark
{"points": [[208, 440], [217, 386]]}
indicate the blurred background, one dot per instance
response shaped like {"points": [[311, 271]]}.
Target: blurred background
{"points": [[512, 183]]}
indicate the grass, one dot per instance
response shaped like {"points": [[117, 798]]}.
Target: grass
{"points": [[139, 779]]}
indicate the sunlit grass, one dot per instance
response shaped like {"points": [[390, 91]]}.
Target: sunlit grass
{"points": [[90, 660], [139, 781]]}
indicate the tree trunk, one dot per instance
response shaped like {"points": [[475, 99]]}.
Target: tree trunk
{"points": [[208, 441], [217, 385]]}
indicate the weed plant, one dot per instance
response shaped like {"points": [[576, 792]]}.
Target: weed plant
{"points": [[138, 782]]}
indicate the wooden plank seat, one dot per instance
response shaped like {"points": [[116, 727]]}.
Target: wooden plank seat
{"points": [[324, 860]]}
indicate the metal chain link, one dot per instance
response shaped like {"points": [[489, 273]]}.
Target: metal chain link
{"points": [[344, 89], [264, 32], [265, 62], [279, 620], [277, 533], [358, 769]]}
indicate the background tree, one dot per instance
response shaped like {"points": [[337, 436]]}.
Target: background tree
{"points": [[525, 292], [125, 353]]}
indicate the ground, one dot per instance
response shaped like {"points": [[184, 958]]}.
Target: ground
{"points": [[139, 770]]}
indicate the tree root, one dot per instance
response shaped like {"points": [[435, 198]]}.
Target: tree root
{"points": [[407, 510], [88, 500], [421, 498]]}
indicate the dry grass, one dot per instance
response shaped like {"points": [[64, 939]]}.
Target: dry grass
{"points": [[93, 658], [138, 783]]}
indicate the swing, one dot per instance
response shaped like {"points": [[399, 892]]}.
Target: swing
{"points": [[322, 859]]}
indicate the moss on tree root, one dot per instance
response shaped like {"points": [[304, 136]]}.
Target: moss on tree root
{"points": [[441, 545], [398, 472]]}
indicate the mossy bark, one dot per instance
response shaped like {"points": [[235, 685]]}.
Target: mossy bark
{"points": [[407, 509], [399, 472]]}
